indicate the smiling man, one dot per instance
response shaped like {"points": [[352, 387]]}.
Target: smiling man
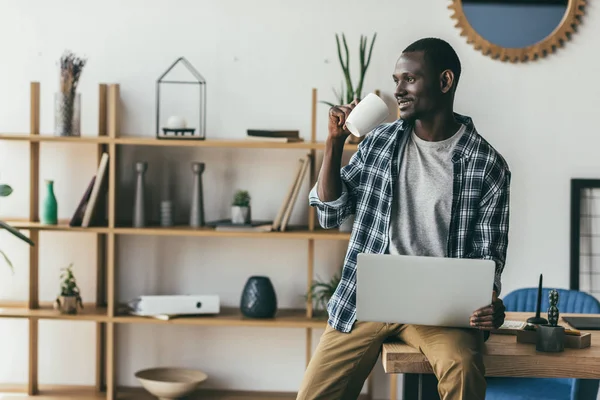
{"points": [[428, 185]]}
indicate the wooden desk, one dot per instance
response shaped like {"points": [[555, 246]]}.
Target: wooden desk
{"points": [[502, 356]]}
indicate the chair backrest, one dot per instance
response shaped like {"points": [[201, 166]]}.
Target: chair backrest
{"points": [[569, 301]]}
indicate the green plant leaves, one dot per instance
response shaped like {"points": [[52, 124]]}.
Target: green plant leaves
{"points": [[7, 260], [5, 190], [16, 233]]}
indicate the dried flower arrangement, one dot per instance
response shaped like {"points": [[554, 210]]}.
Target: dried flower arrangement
{"points": [[67, 117], [71, 67]]}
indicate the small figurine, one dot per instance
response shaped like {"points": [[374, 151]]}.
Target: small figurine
{"points": [[553, 309]]}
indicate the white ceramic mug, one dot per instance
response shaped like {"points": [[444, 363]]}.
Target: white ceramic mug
{"points": [[369, 113]]}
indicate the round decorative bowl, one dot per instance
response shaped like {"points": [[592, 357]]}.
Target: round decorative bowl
{"points": [[170, 383]]}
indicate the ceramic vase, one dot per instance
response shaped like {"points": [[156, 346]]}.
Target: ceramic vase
{"points": [[68, 304], [240, 215], [49, 205], [67, 112], [550, 339], [139, 205], [258, 298], [197, 205]]}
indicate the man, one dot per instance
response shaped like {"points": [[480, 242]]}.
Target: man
{"points": [[427, 184]]}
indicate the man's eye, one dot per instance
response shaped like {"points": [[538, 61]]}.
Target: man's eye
{"points": [[410, 79]]}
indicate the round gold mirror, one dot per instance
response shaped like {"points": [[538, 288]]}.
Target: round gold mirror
{"points": [[517, 30]]}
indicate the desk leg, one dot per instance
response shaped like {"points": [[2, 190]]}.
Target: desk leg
{"points": [[394, 387], [420, 387]]}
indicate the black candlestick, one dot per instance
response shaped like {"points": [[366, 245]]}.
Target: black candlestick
{"points": [[537, 320]]}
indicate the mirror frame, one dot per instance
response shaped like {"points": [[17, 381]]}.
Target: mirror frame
{"points": [[557, 38]]}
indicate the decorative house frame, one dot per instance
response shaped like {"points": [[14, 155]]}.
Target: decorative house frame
{"points": [[198, 80]]}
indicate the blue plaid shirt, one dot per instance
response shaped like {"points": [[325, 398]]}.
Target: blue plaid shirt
{"points": [[480, 205]]}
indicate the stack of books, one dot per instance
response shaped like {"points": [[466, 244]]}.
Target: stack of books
{"points": [[283, 216], [274, 136]]}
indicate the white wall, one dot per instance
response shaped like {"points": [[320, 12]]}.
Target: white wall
{"points": [[261, 60]]}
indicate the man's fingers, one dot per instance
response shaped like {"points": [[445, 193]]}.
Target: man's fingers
{"points": [[484, 318], [484, 311]]}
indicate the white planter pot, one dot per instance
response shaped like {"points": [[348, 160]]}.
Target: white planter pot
{"points": [[240, 215]]}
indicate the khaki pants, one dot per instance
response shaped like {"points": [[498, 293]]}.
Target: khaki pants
{"points": [[342, 361]]}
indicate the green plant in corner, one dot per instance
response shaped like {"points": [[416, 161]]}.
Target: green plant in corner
{"points": [[241, 198], [321, 291], [5, 191], [351, 93]]}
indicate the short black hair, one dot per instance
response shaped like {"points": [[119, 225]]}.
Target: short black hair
{"points": [[439, 54]]}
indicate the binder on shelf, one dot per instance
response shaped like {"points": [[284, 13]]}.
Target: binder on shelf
{"points": [[288, 196], [91, 206], [296, 190], [77, 218]]}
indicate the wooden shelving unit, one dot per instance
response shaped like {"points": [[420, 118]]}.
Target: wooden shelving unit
{"points": [[104, 313]]}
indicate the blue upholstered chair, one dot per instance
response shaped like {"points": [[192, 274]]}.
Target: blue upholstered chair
{"points": [[524, 300]]}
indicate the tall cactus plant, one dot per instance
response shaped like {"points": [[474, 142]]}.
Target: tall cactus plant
{"points": [[553, 309], [350, 93]]}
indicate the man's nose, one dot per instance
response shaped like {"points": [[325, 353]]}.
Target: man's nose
{"points": [[400, 89]]}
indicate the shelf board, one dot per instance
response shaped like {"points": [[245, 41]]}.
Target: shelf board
{"points": [[285, 318], [237, 143], [57, 392], [292, 233], [61, 226], [89, 313], [51, 138], [152, 141], [184, 230]]}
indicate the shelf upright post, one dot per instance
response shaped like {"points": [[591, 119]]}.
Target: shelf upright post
{"points": [[113, 127], [34, 184], [311, 226], [101, 254]]}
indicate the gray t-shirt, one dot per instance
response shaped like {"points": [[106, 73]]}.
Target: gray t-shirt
{"points": [[423, 200]]}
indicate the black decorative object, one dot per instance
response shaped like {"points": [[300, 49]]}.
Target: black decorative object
{"points": [[538, 320], [551, 337], [553, 309], [179, 130], [258, 298]]}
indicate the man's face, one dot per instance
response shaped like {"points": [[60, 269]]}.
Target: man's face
{"points": [[417, 87]]}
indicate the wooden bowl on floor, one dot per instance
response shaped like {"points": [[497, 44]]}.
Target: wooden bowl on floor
{"points": [[170, 383]]}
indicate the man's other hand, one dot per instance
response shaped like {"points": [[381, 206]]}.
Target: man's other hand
{"points": [[489, 317]]}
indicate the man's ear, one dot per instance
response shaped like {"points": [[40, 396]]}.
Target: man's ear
{"points": [[446, 81]]}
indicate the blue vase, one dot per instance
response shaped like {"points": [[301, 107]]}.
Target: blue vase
{"points": [[49, 206]]}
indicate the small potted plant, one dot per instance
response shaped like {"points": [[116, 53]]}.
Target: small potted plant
{"points": [[320, 293], [69, 298], [240, 208]]}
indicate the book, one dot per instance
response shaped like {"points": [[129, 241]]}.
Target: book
{"points": [[294, 197], [100, 175], [77, 217], [225, 225], [272, 133], [275, 139], [288, 196]]}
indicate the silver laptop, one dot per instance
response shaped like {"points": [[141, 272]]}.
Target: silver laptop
{"points": [[431, 291]]}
